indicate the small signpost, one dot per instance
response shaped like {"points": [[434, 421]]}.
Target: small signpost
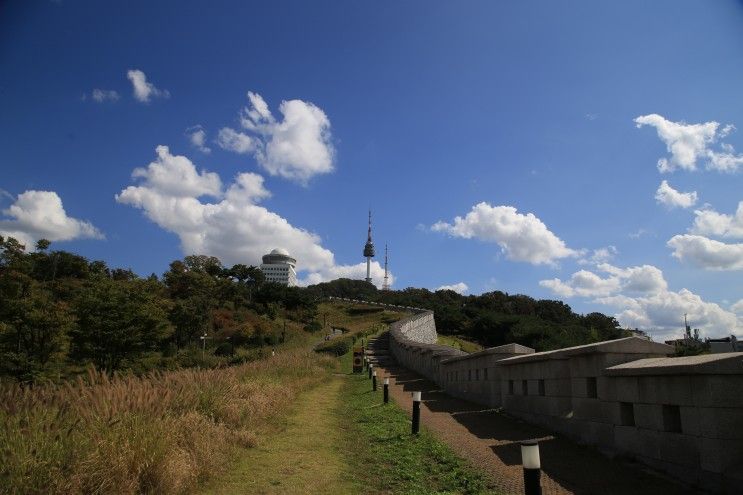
{"points": [[358, 359]]}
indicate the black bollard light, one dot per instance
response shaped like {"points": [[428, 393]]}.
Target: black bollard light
{"points": [[386, 390], [371, 367], [416, 412], [532, 467], [374, 381]]}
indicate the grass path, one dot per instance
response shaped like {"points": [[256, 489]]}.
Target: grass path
{"points": [[306, 458]]}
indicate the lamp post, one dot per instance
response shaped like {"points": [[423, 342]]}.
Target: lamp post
{"points": [[374, 381], [532, 467], [386, 390], [416, 412], [203, 345], [371, 370]]}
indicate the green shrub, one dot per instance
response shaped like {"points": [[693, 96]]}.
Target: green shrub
{"points": [[337, 346]]}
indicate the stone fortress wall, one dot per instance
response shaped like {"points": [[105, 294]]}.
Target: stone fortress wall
{"points": [[626, 397]]}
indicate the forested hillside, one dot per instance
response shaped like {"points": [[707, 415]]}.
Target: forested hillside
{"points": [[493, 318], [61, 313]]}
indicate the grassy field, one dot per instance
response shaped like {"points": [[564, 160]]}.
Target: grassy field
{"points": [[387, 458], [296, 422], [164, 432], [302, 458], [459, 343]]}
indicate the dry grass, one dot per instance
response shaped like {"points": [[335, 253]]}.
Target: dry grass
{"points": [[161, 433]]}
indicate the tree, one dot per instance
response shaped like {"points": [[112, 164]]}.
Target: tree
{"points": [[33, 334], [118, 321]]}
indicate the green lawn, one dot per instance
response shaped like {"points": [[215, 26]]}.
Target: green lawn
{"points": [[387, 458]]}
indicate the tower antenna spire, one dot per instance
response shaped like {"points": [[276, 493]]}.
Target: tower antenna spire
{"points": [[369, 250], [386, 283]]}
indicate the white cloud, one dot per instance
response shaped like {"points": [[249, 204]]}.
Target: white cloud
{"points": [[459, 287], [710, 222], [231, 140], [521, 237], [144, 91], [737, 308], [690, 143], [40, 215], [643, 278], [197, 137], [638, 233], [584, 283], [176, 176], [600, 255], [663, 313], [103, 95], [233, 227], [670, 197], [641, 296], [707, 253], [297, 147]]}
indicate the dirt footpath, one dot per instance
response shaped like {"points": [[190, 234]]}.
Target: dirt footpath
{"points": [[491, 442]]}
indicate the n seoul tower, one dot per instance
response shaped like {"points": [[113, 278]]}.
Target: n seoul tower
{"points": [[369, 251]]}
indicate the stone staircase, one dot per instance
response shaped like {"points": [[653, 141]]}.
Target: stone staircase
{"points": [[378, 350]]}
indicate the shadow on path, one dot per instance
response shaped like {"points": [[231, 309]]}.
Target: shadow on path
{"points": [[490, 439]]}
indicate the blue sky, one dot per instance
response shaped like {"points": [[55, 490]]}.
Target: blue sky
{"points": [[137, 132]]}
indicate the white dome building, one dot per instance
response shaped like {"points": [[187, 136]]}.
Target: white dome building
{"points": [[278, 266]]}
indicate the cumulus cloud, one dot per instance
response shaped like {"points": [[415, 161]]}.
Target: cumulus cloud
{"points": [[297, 147], [102, 95], [227, 223], [521, 237], [641, 296], [662, 312], [707, 253], [231, 140], [459, 287], [584, 283], [197, 137], [691, 143], [670, 197], [737, 307], [144, 91], [40, 215], [709, 222]]}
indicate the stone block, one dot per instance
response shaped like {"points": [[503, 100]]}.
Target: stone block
{"points": [[649, 416], [665, 390], [719, 455], [607, 388], [558, 387], [587, 365], [690, 420], [627, 439], [678, 448], [718, 391], [594, 433], [559, 406], [590, 409], [627, 389], [720, 422]]}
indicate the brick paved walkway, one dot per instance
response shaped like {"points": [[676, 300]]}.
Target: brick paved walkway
{"points": [[490, 440]]}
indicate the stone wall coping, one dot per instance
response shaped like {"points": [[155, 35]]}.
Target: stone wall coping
{"points": [[503, 350], [706, 364], [627, 345]]}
